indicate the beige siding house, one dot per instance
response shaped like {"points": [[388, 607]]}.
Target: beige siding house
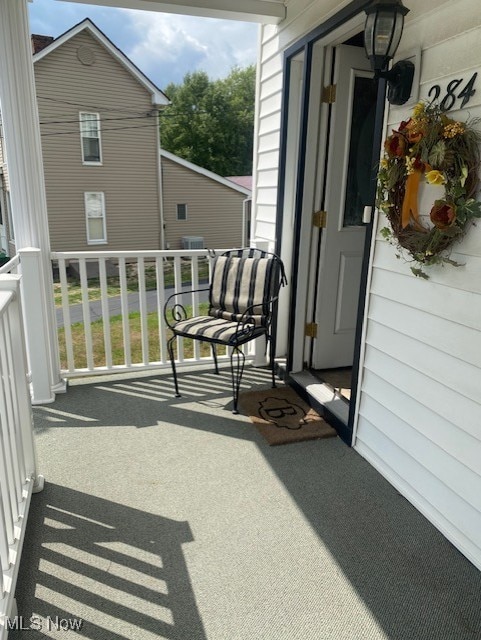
{"points": [[100, 146], [107, 187], [201, 209]]}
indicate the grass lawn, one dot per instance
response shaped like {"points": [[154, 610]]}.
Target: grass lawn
{"points": [[117, 342]]}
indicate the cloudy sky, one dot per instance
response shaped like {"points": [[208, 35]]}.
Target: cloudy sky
{"points": [[164, 46]]}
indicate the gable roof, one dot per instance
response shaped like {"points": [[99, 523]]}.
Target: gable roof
{"points": [[205, 172], [243, 181], [158, 97]]}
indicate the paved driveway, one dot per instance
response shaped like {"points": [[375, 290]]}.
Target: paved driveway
{"points": [[115, 306]]}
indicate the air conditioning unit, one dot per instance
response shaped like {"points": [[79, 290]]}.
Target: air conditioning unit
{"points": [[192, 242]]}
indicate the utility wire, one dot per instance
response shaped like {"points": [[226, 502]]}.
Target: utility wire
{"points": [[145, 115], [136, 113], [131, 110], [69, 133], [76, 130], [77, 121]]}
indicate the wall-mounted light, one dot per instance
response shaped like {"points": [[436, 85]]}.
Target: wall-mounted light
{"points": [[382, 34]]}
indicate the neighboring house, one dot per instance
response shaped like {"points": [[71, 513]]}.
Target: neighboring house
{"points": [[245, 181], [100, 141], [106, 186], [98, 120], [201, 209]]}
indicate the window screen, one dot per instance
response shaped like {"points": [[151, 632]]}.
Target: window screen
{"points": [[95, 215], [90, 135]]}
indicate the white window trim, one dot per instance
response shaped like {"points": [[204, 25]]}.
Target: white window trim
{"points": [[104, 227], [177, 211], [95, 163]]}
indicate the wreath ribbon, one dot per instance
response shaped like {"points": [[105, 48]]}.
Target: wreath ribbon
{"points": [[410, 203]]}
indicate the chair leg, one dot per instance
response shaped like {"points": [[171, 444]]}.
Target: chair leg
{"points": [[272, 353], [214, 355], [170, 349], [237, 369]]}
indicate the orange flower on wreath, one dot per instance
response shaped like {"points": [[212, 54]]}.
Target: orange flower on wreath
{"points": [[412, 129], [443, 214], [396, 145]]}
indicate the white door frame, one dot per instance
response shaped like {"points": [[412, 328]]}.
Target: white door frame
{"points": [[309, 189], [294, 225]]}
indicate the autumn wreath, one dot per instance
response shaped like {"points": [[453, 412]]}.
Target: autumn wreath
{"points": [[435, 149]]}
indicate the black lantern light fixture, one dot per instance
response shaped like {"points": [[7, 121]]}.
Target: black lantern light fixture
{"points": [[382, 34]]}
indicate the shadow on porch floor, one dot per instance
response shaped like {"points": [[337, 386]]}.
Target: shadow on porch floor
{"points": [[171, 518]]}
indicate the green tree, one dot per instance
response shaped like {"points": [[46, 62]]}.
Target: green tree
{"points": [[211, 123]]}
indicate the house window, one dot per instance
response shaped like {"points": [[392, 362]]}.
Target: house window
{"points": [[90, 136], [95, 215], [181, 212]]}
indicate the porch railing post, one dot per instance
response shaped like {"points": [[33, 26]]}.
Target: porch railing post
{"points": [[37, 331], [18, 471], [18, 377]]}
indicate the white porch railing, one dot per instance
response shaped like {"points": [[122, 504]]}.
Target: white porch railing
{"points": [[18, 477], [11, 266], [111, 316]]}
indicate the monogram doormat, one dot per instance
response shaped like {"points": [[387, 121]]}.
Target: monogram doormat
{"points": [[281, 416]]}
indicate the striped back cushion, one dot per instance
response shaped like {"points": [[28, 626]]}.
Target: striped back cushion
{"points": [[238, 283]]}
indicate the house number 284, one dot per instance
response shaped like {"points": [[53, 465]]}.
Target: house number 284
{"points": [[455, 90]]}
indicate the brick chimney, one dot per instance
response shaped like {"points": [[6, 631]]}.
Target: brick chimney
{"points": [[40, 42]]}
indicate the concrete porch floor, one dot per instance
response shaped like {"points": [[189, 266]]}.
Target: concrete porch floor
{"points": [[172, 518]]}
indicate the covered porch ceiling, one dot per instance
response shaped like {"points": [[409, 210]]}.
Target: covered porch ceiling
{"points": [[263, 11]]}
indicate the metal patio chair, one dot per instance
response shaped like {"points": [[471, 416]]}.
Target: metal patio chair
{"points": [[243, 293]]}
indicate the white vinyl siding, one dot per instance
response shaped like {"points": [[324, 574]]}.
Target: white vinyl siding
{"points": [[90, 138], [95, 217], [420, 403], [419, 408]]}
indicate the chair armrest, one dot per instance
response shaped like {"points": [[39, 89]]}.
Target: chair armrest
{"points": [[177, 310], [246, 324]]}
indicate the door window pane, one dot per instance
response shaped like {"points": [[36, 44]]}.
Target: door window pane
{"points": [[360, 150]]}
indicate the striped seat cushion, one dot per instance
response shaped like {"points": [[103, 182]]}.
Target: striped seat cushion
{"points": [[215, 329], [238, 283]]}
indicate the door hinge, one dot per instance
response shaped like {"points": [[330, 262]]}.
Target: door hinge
{"points": [[329, 94], [319, 219], [311, 330]]}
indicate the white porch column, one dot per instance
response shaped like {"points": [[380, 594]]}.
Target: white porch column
{"points": [[25, 166]]}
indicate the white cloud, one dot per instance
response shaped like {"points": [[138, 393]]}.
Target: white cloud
{"points": [[164, 46], [169, 46]]}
